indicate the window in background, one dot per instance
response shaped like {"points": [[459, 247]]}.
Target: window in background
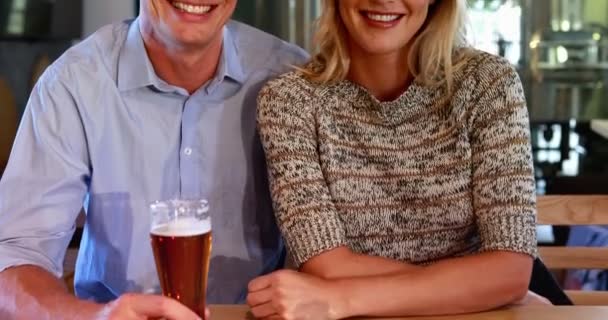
{"points": [[16, 19], [495, 27]]}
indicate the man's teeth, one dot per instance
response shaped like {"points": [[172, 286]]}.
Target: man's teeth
{"points": [[191, 8], [383, 17]]}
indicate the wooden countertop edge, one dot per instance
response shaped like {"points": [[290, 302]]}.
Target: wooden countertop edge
{"points": [[241, 312]]}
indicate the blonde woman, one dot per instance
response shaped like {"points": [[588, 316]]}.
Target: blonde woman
{"points": [[401, 170]]}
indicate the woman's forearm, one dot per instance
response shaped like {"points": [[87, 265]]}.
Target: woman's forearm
{"points": [[458, 285], [342, 263]]}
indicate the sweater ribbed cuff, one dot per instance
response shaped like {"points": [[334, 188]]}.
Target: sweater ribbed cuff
{"points": [[310, 237], [516, 233]]}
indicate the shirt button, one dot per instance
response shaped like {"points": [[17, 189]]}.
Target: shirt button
{"points": [[188, 151]]}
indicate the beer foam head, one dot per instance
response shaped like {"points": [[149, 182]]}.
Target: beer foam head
{"points": [[183, 228]]}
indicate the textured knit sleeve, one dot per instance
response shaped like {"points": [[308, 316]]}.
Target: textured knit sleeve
{"points": [[503, 172], [303, 206]]}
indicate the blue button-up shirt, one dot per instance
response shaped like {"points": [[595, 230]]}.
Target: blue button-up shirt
{"points": [[101, 128]]}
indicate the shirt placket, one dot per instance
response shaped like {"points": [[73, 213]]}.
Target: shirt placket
{"points": [[190, 153]]}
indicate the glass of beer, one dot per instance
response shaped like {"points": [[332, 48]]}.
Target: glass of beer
{"points": [[181, 240]]}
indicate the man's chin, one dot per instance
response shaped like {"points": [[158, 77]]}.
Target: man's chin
{"points": [[192, 40]]}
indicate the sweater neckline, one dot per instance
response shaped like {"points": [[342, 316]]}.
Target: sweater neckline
{"points": [[414, 101]]}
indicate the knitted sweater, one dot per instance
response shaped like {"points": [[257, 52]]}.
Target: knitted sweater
{"points": [[421, 178]]}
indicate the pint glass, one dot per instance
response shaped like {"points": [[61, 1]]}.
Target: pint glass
{"points": [[181, 240]]}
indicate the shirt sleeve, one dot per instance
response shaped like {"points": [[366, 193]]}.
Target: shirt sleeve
{"points": [[44, 185], [302, 203], [503, 173]]}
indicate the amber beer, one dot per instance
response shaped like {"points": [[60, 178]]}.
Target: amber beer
{"points": [[182, 250]]}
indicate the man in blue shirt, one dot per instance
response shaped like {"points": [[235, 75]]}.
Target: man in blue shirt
{"points": [[156, 108]]}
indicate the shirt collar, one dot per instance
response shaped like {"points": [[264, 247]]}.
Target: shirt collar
{"points": [[135, 69], [230, 63]]}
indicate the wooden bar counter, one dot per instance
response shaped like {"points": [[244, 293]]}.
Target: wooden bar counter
{"points": [[225, 312]]}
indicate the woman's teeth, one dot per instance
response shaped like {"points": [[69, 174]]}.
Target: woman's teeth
{"points": [[190, 8], [382, 17]]}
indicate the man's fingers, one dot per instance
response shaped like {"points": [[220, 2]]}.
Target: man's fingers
{"points": [[159, 306]]}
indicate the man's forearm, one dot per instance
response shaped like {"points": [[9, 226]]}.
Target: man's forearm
{"points": [[29, 292], [453, 286]]}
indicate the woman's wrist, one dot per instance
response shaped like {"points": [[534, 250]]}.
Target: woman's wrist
{"points": [[339, 299]]}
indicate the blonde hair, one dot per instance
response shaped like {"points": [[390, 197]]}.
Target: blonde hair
{"points": [[433, 56]]}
